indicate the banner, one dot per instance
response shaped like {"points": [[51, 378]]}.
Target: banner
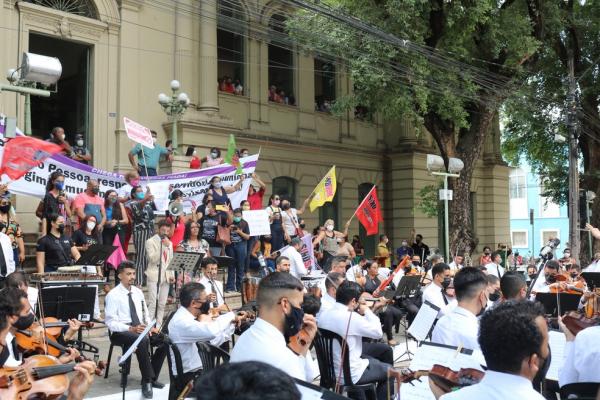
{"points": [[369, 212], [307, 252], [325, 190], [23, 153]]}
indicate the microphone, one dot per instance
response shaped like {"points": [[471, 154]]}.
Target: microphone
{"points": [[549, 247]]}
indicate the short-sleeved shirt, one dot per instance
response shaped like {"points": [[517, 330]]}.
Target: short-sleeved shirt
{"points": [[81, 151], [142, 215], [256, 199], [80, 238], [57, 250], [91, 205], [150, 157], [235, 237], [208, 226]]}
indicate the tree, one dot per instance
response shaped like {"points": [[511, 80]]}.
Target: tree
{"points": [[459, 62], [541, 109]]}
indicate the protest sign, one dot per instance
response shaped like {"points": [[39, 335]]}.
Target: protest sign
{"points": [[138, 133], [258, 222]]}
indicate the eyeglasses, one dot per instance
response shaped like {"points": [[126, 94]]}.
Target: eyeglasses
{"points": [[276, 198]]}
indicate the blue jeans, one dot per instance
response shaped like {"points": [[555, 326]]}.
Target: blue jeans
{"points": [[235, 272]]}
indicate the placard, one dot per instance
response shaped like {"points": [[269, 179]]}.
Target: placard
{"points": [[138, 133], [258, 222]]}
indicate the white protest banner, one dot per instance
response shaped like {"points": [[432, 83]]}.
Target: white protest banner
{"points": [[258, 222], [77, 175], [195, 184], [307, 252], [138, 133]]}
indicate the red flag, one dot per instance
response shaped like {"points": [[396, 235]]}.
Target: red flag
{"points": [[23, 153], [369, 213]]}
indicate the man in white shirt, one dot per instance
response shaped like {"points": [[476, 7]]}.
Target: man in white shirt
{"points": [[297, 267], [494, 268], [126, 316], [332, 282], [190, 325], [159, 253], [280, 317], [547, 280], [493, 290], [282, 264], [460, 327], [364, 366], [456, 264], [582, 361], [514, 341], [435, 292], [7, 262], [213, 287], [339, 264]]}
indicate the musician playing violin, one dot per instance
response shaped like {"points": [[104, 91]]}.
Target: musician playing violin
{"points": [[15, 313], [514, 357], [549, 281]]}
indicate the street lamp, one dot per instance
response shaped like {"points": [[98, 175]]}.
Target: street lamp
{"points": [[435, 164], [34, 69], [174, 106]]}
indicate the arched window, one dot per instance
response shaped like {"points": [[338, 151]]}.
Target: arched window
{"points": [[368, 242], [330, 210], [281, 63], [285, 187], [231, 28], [84, 8], [325, 85]]}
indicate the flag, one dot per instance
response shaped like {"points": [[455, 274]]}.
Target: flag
{"points": [[369, 212], [118, 255], [232, 156], [22, 153], [324, 191]]}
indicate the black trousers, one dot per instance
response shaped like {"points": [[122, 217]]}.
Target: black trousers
{"points": [[149, 367], [376, 372], [380, 351], [390, 317]]}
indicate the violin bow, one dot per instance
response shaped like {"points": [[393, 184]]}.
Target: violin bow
{"points": [[41, 320], [343, 354], [211, 280]]}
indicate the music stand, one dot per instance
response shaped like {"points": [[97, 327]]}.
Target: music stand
{"points": [[224, 262], [69, 302], [592, 279], [407, 287], [553, 302], [183, 261], [96, 255]]}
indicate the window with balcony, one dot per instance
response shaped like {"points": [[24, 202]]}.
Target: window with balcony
{"points": [[281, 62], [231, 28], [517, 189], [325, 85]]}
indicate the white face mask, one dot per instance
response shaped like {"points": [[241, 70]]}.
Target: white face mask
{"points": [[62, 137], [244, 154], [194, 153], [329, 228], [91, 225], [217, 185], [80, 143], [214, 155]]}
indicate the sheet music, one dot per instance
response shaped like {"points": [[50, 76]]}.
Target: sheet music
{"points": [[558, 342], [133, 347], [423, 321], [425, 357]]}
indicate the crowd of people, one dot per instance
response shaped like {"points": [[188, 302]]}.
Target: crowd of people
{"points": [[278, 95], [228, 85]]}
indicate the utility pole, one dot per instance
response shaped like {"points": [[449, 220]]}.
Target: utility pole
{"points": [[573, 164]]}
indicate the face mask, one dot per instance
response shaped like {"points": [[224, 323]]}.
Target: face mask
{"points": [[217, 185], [5, 209], [404, 244], [24, 322], [566, 255], [285, 207], [550, 278], [244, 154], [416, 263], [573, 274], [237, 219], [80, 143], [329, 228], [95, 190], [59, 185], [2, 226], [91, 225], [62, 137], [418, 240], [214, 155], [446, 283], [532, 276], [140, 195], [543, 365], [112, 200], [293, 322], [205, 308], [302, 226], [135, 182], [60, 228], [494, 296], [483, 307], [487, 253]]}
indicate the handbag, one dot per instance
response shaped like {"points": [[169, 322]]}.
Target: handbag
{"points": [[223, 235]]}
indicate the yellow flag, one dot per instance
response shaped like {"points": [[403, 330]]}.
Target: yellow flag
{"points": [[324, 191]]}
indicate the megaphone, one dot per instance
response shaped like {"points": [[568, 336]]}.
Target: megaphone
{"points": [[175, 208]]}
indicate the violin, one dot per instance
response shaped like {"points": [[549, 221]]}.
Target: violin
{"points": [[36, 340], [300, 342], [445, 378], [565, 287], [576, 322], [592, 307]]}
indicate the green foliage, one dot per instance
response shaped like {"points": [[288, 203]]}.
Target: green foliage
{"points": [[428, 201]]}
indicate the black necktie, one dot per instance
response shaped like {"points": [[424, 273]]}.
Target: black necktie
{"points": [[212, 288], [135, 320], [498, 269], [3, 269], [444, 296]]}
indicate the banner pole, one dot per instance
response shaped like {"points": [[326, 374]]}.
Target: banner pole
{"points": [[144, 157]]}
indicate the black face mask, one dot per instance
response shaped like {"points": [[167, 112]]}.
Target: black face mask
{"points": [[532, 276], [550, 278], [95, 190], [60, 228], [482, 309], [573, 275], [24, 322], [416, 263], [446, 283], [2, 226], [204, 308], [5, 209], [293, 323], [494, 296], [302, 226], [285, 207], [544, 367]]}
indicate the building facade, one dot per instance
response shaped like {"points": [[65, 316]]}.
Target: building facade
{"points": [[118, 56], [550, 220]]}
